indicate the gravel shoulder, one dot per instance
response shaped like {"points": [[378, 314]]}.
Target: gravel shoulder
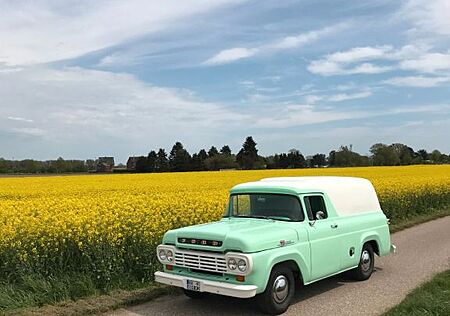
{"points": [[422, 251]]}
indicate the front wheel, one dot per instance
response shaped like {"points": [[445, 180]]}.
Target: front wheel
{"points": [[366, 264], [279, 291], [194, 295]]}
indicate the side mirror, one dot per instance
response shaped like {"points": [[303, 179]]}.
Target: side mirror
{"points": [[320, 215]]}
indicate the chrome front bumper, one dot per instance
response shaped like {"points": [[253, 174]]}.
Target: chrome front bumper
{"points": [[222, 288]]}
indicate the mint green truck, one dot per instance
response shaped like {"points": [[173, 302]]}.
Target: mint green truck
{"points": [[276, 232]]}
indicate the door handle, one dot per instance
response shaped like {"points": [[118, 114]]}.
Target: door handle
{"points": [[334, 225]]}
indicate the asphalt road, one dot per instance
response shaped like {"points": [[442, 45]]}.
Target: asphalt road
{"points": [[422, 251]]}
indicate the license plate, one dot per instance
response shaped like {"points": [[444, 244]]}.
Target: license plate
{"points": [[193, 285]]}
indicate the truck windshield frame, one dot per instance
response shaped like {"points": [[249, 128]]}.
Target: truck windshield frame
{"points": [[272, 206]]}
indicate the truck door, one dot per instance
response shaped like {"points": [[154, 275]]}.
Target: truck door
{"points": [[324, 238]]}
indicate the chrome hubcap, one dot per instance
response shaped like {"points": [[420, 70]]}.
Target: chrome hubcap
{"points": [[365, 260], [280, 289]]}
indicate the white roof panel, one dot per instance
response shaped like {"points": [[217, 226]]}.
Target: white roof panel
{"points": [[349, 195]]}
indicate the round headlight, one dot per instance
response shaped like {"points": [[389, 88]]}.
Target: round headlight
{"points": [[162, 255], [232, 264], [242, 265], [169, 255]]}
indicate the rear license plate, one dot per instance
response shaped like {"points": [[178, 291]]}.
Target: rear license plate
{"points": [[193, 285]]}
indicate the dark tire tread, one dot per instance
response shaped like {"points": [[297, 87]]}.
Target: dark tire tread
{"points": [[358, 273], [265, 301]]}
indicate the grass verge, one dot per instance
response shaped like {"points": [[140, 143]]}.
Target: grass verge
{"points": [[431, 298], [96, 304], [418, 219]]}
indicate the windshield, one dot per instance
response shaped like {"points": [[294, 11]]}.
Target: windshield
{"points": [[264, 205]]}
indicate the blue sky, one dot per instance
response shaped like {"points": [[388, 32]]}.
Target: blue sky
{"points": [[80, 79]]}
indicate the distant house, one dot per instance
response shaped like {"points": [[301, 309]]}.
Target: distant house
{"points": [[105, 164], [131, 163]]}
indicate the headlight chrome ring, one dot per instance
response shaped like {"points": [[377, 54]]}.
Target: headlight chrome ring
{"points": [[232, 265], [169, 255], [242, 265], [162, 255]]}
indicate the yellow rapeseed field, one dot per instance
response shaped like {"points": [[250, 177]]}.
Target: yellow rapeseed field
{"points": [[108, 225]]}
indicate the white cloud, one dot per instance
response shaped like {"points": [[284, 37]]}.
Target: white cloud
{"points": [[428, 63], [20, 119], [327, 68], [357, 54], [119, 59], [349, 96], [338, 97], [312, 98], [76, 109], [355, 60], [429, 16], [306, 114], [342, 63], [368, 68], [288, 42], [29, 131], [247, 83], [231, 55], [45, 31], [417, 81]]}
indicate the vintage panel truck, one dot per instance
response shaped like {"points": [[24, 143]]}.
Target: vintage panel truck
{"points": [[276, 232]]}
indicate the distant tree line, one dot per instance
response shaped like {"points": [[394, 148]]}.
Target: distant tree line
{"points": [[49, 166], [179, 159]]}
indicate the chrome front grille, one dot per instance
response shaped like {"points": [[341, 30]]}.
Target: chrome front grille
{"points": [[200, 260]]}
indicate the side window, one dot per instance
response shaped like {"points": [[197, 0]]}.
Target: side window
{"points": [[241, 204], [314, 204]]}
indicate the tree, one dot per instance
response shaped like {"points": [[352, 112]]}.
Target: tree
{"points": [[141, 164], [162, 163], [435, 156], [212, 151], [60, 165], [319, 160], [423, 154], [198, 160], [151, 161], [344, 157], [248, 155], [332, 158], [404, 153], [179, 158], [295, 159], [383, 155], [225, 150], [281, 161], [221, 161]]}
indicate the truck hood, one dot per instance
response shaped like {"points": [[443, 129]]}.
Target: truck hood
{"points": [[237, 234]]}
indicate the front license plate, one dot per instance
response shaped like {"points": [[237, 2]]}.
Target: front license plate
{"points": [[193, 285]]}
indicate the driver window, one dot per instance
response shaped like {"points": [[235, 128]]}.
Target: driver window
{"points": [[315, 204]]}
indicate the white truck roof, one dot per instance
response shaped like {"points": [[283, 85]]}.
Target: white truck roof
{"points": [[349, 195]]}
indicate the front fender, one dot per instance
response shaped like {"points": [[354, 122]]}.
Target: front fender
{"points": [[264, 261]]}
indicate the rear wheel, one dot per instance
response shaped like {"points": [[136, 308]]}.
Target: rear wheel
{"points": [[195, 295], [279, 291], [366, 264]]}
